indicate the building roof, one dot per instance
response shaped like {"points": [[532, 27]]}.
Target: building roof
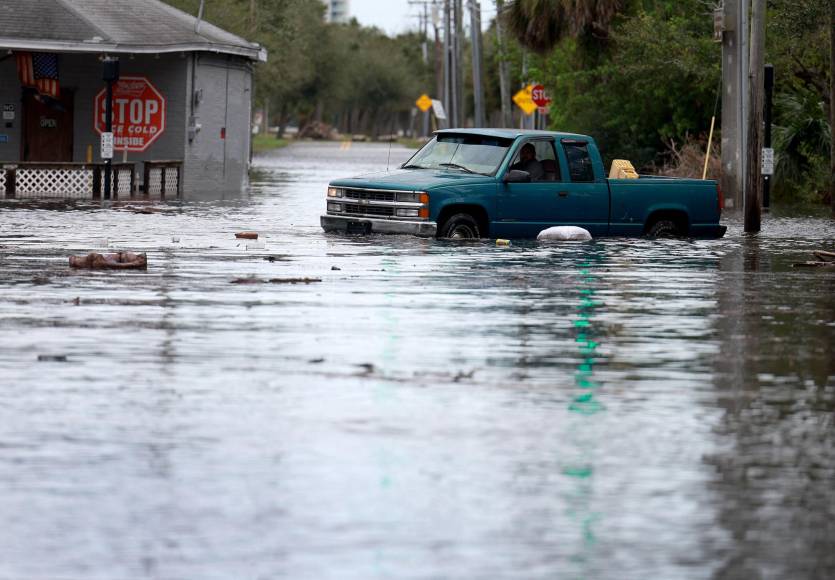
{"points": [[113, 26]]}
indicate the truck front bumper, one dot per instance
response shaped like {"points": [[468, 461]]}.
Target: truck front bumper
{"points": [[361, 225]]}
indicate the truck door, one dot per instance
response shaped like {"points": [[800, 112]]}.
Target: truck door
{"points": [[584, 197], [525, 209]]}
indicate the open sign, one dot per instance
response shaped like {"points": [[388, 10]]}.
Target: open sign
{"points": [[138, 114]]}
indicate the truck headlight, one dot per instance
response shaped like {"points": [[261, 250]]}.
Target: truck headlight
{"points": [[407, 212], [409, 197], [413, 197], [335, 192], [335, 207]]}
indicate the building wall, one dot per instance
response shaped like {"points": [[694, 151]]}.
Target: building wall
{"points": [[338, 11], [214, 163], [217, 159], [167, 73], [10, 94]]}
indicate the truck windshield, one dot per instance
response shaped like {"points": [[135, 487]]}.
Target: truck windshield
{"points": [[468, 153]]}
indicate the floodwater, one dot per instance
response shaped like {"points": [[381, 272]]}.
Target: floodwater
{"points": [[429, 410]]}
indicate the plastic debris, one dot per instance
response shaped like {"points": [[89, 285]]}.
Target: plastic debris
{"points": [[565, 234], [52, 358], [247, 235], [117, 261], [502, 242], [253, 280]]}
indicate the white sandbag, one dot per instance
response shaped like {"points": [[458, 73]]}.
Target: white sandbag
{"points": [[564, 233]]}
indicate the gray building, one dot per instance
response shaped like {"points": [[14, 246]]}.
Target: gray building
{"points": [[338, 11], [184, 94]]}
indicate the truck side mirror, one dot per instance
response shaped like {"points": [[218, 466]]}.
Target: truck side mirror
{"points": [[517, 176]]}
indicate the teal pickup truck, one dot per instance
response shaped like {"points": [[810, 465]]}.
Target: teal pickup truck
{"points": [[505, 183]]}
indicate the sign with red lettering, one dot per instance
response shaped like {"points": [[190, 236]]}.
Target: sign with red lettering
{"points": [[539, 96], [138, 114]]}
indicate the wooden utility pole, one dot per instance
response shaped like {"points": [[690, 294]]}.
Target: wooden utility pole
{"points": [[753, 185], [832, 105], [478, 90], [459, 61], [504, 73], [448, 63], [732, 95]]}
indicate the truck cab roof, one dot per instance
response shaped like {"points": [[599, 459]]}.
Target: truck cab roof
{"points": [[511, 133]]}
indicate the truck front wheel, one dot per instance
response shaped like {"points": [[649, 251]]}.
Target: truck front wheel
{"points": [[460, 226]]}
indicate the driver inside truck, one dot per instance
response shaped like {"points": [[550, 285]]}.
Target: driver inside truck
{"points": [[528, 162]]}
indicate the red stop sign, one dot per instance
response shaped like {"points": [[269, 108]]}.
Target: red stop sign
{"points": [[539, 97], [138, 114]]}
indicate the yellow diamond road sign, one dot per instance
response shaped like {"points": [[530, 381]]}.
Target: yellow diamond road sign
{"points": [[424, 103], [524, 100]]}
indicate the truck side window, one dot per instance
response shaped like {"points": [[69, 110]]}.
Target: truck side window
{"points": [[548, 168], [579, 161]]}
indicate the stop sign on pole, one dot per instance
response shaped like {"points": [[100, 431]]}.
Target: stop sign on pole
{"points": [[539, 97], [138, 114]]}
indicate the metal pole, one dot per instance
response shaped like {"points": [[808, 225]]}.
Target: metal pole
{"points": [[753, 190], [108, 127], [478, 94], [110, 75], [767, 109]]}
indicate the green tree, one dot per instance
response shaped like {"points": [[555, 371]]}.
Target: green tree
{"points": [[540, 24]]}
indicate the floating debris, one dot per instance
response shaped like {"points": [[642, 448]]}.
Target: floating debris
{"points": [[117, 261], [247, 235], [564, 234], [502, 242], [52, 358], [824, 260], [253, 280]]}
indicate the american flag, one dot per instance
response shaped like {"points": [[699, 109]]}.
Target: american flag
{"points": [[39, 70]]}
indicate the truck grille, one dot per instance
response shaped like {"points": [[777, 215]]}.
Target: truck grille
{"points": [[369, 210], [369, 195]]}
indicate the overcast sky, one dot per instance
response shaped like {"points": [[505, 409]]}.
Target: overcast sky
{"points": [[395, 16]]}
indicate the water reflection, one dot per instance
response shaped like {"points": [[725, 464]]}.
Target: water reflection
{"points": [[623, 408], [776, 385], [580, 504]]}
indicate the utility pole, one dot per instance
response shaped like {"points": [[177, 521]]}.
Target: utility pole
{"points": [[744, 95], [832, 106], [439, 61], [478, 92], [731, 103], [459, 62], [753, 189], [504, 73], [424, 31], [448, 63]]}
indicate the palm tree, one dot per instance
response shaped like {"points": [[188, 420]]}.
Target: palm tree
{"points": [[540, 24]]}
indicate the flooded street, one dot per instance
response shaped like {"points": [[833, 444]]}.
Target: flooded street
{"points": [[624, 408]]}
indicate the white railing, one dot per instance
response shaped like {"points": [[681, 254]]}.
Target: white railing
{"points": [[86, 180]]}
